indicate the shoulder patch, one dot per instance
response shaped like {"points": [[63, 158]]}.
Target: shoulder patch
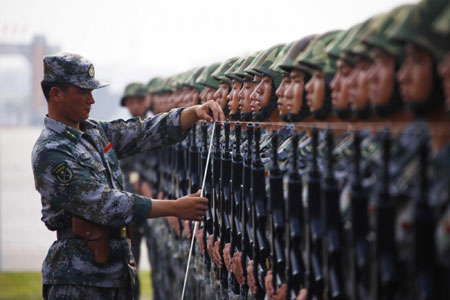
{"points": [[62, 172]]}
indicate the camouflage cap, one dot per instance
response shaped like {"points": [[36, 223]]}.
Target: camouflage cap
{"points": [[276, 64], [205, 78], [230, 73], [441, 24], [342, 51], [135, 89], [439, 31], [266, 60], [151, 83], [157, 85], [72, 69], [190, 80], [249, 71], [219, 73], [352, 45], [375, 36], [241, 71], [333, 49], [181, 78], [169, 84], [288, 61], [413, 26], [315, 57]]}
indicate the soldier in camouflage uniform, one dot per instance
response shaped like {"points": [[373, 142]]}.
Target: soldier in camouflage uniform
{"points": [[76, 171], [134, 171]]}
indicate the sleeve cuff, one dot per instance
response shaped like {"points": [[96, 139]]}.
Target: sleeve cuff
{"points": [[174, 132], [141, 210]]}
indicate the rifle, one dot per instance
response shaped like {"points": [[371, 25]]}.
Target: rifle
{"points": [[224, 201], [193, 169], [360, 226], [333, 226], [424, 244], [247, 234], [259, 216], [386, 270], [207, 192], [194, 176], [216, 190], [276, 207], [236, 201], [180, 175], [295, 226], [315, 279]]}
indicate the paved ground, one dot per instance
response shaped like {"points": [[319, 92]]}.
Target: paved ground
{"points": [[24, 239]]}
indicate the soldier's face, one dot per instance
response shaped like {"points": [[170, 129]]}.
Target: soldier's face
{"points": [[244, 96], [261, 94], [416, 75], [171, 101], [280, 92], [220, 96], [210, 93], [359, 84], [340, 85], [233, 96], [194, 96], [444, 72], [74, 104], [315, 89], [254, 94], [202, 95], [207, 94], [185, 98], [137, 106], [381, 78], [294, 92]]}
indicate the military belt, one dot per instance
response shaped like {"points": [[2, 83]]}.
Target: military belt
{"points": [[114, 233]]}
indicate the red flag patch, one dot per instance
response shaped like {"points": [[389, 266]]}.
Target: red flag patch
{"points": [[107, 148]]}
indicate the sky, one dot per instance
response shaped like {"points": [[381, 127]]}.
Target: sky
{"points": [[135, 40]]}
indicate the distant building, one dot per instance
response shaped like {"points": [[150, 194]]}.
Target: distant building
{"points": [[33, 53]]}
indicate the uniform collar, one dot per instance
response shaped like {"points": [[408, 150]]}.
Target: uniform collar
{"points": [[65, 130]]}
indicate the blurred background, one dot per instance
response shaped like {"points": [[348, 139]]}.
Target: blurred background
{"points": [[127, 41]]}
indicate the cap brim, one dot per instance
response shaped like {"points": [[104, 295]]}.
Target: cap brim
{"points": [[93, 84]]}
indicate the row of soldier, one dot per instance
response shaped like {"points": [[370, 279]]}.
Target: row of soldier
{"points": [[331, 178]]}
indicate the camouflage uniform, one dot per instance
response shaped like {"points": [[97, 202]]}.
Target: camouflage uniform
{"points": [[77, 174]]}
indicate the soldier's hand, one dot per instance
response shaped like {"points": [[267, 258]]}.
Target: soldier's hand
{"points": [[187, 228], [146, 190], [209, 245], [251, 280], [268, 283], [227, 257], [302, 294], [199, 238], [210, 111], [174, 224], [191, 207], [237, 268], [216, 254], [281, 293]]}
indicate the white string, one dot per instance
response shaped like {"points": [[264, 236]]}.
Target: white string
{"points": [[195, 224]]}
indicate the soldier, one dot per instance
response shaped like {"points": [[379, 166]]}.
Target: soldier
{"points": [[223, 90], [135, 99], [76, 171], [210, 84]]}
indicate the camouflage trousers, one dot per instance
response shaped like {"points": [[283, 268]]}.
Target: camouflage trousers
{"points": [[83, 292]]}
